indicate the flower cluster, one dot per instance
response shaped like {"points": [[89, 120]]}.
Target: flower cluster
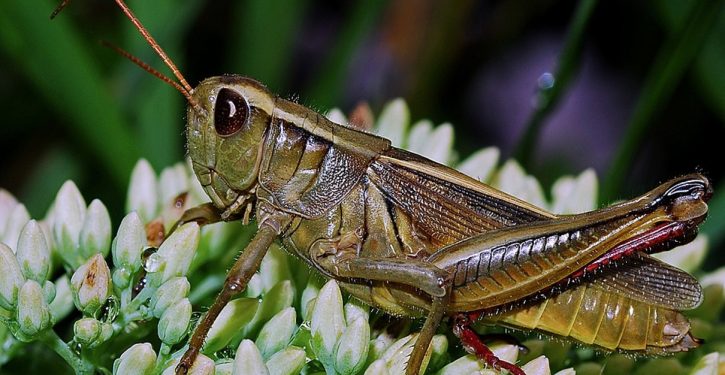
{"points": [[288, 321]]}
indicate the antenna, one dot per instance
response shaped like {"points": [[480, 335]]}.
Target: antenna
{"points": [[183, 86], [152, 71]]}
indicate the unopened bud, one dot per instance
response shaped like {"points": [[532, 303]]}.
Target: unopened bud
{"points": [[175, 254], [33, 314], [91, 284], [17, 219], [248, 360], [168, 294], [233, 317], [139, 359], [327, 324], [129, 243], [11, 278], [95, 235], [86, 330], [33, 253], [142, 196], [288, 361], [174, 322], [69, 213], [352, 348]]}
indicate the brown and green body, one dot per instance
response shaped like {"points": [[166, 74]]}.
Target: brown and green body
{"points": [[416, 238]]}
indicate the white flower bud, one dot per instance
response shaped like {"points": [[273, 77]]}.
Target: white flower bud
{"points": [[337, 116], [203, 365], [33, 314], [276, 333], [233, 317], [11, 278], [129, 243], [175, 322], [352, 348], [95, 235], [69, 211], [513, 179], [86, 330], [19, 216], [175, 254], [288, 361], [377, 368], [354, 310], [7, 203], [139, 359], [168, 294], [33, 253], [433, 143], [707, 365], [481, 164], [328, 323], [91, 284], [142, 196], [537, 366], [393, 122], [248, 360], [573, 195]]}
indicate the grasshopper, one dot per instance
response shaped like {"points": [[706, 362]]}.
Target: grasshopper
{"points": [[418, 239]]}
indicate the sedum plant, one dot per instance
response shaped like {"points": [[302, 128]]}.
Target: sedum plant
{"points": [[124, 302]]}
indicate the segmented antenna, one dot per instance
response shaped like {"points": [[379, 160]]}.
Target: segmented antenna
{"points": [[149, 69], [182, 86]]}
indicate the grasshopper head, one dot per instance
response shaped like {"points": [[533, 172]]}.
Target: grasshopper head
{"points": [[225, 135], [682, 199]]}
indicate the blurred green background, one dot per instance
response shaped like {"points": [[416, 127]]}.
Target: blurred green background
{"points": [[634, 89]]}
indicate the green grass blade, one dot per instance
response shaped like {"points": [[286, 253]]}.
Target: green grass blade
{"points": [[157, 109], [328, 86], [548, 97], [708, 67], [56, 61], [262, 49], [671, 63]]}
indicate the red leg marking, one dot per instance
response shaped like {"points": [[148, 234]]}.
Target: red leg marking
{"points": [[473, 344]]}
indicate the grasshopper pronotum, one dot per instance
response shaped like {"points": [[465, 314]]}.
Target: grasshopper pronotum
{"points": [[415, 238]]}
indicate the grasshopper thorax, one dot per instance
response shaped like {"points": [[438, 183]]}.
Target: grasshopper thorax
{"points": [[225, 138]]}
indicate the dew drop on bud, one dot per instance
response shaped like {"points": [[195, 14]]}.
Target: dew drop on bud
{"points": [[150, 260], [109, 311]]}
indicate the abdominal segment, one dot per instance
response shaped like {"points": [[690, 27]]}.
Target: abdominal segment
{"points": [[592, 315]]}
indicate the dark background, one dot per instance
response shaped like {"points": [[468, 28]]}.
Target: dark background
{"points": [[644, 99]]}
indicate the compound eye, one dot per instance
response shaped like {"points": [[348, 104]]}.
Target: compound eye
{"points": [[231, 112]]}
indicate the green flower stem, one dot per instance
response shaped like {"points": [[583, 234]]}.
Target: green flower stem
{"points": [[79, 365], [131, 312], [126, 297], [164, 355], [136, 303], [547, 98], [672, 61]]}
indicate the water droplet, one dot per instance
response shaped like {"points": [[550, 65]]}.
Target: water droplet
{"points": [[109, 311], [76, 347], [147, 253], [546, 81], [152, 262]]}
